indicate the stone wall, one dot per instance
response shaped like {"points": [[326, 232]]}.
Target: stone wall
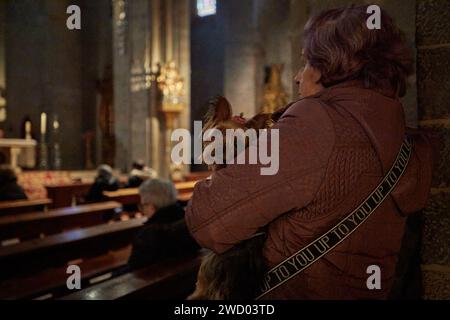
{"points": [[54, 70], [244, 56], [433, 80], [2, 44]]}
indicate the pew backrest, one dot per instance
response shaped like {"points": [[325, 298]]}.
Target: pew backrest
{"points": [[130, 196], [56, 250], [173, 279], [35, 224], [64, 195], [52, 283], [23, 206]]}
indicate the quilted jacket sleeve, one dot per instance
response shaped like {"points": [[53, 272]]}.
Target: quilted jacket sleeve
{"points": [[238, 200]]}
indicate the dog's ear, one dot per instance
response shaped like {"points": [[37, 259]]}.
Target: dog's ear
{"points": [[223, 110], [260, 121], [219, 110]]}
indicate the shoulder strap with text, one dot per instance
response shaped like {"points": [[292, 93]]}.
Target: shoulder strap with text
{"points": [[308, 255]]}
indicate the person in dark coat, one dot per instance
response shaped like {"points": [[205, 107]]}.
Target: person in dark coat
{"points": [[9, 189], [165, 234], [138, 174], [105, 181]]}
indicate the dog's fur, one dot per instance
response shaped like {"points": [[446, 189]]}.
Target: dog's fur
{"points": [[238, 272]]}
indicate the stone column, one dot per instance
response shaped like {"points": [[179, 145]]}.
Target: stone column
{"points": [[433, 80], [170, 42], [182, 57], [3, 102], [2, 49], [139, 36], [122, 97], [151, 33], [63, 81], [131, 28], [244, 57]]}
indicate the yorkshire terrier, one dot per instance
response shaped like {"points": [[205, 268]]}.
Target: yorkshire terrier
{"points": [[237, 273]]}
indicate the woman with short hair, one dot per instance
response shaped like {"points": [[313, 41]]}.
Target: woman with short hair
{"points": [[337, 143], [164, 235]]}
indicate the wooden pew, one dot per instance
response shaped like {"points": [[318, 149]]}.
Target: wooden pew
{"points": [[64, 195], [36, 255], [34, 224], [196, 176], [183, 198], [130, 196], [51, 283], [23, 206], [174, 279]]}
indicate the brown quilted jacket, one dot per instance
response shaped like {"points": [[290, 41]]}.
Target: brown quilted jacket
{"points": [[335, 147]]}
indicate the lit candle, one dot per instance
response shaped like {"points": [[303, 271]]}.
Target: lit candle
{"points": [[28, 130], [43, 123], [55, 124]]}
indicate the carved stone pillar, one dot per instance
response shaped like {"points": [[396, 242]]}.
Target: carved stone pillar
{"points": [[121, 80], [132, 37], [146, 33], [244, 57], [2, 63], [433, 82]]}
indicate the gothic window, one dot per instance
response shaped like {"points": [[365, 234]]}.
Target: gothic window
{"points": [[206, 7]]}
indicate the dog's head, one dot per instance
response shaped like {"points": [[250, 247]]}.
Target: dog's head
{"points": [[220, 116]]}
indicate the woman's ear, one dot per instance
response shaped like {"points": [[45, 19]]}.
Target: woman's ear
{"points": [[317, 75]]}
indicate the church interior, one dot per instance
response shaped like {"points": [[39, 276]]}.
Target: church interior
{"points": [[95, 92]]}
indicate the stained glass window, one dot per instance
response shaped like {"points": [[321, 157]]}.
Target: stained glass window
{"points": [[206, 7]]}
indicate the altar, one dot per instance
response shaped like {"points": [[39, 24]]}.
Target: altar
{"points": [[19, 152]]}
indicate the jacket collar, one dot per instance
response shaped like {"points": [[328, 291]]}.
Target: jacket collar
{"points": [[357, 84], [330, 92]]}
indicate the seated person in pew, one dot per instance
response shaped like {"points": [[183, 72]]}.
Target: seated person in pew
{"points": [[105, 181], [138, 174], [9, 188], [165, 234]]}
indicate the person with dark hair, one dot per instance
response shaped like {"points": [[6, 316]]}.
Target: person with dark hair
{"points": [[104, 181], [9, 189], [337, 143], [138, 174], [165, 234]]}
